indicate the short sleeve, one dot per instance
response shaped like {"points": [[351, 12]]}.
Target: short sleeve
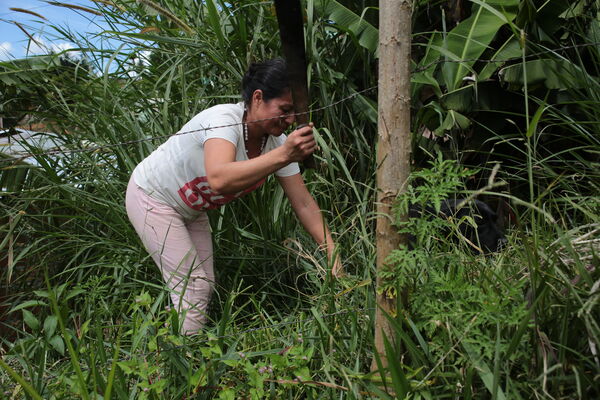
{"points": [[224, 123], [219, 122], [288, 170], [291, 168], [215, 132]]}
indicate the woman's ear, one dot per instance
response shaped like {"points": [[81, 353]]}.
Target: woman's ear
{"points": [[257, 96]]}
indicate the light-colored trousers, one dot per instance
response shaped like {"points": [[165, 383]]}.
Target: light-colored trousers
{"points": [[182, 250]]}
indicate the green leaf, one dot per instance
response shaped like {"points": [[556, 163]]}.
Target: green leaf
{"points": [[20, 380], [431, 57], [399, 380], [57, 344], [460, 121], [227, 394], [525, 322], [468, 40], [511, 49], [144, 299], [113, 368], [347, 20], [453, 120], [303, 374], [532, 128], [41, 293], [425, 78], [31, 320], [460, 99], [552, 74], [74, 293], [29, 303], [215, 22], [50, 324], [129, 366], [484, 371]]}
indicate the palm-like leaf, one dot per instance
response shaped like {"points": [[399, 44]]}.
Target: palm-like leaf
{"points": [[366, 34]]}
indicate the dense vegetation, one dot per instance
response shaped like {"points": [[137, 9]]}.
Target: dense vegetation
{"points": [[507, 83]]}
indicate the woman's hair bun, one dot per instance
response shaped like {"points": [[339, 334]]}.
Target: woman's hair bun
{"points": [[268, 76]]}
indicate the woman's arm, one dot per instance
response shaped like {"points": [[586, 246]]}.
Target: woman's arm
{"points": [[308, 212], [226, 175]]}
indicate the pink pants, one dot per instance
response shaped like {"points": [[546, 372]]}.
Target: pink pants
{"points": [[182, 250]]}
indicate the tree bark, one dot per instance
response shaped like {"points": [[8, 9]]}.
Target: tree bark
{"points": [[394, 146]]}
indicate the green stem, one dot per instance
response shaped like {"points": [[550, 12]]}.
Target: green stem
{"points": [[20, 380]]}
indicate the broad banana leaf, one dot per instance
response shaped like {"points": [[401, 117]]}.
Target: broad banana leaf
{"points": [[468, 40], [423, 72], [344, 18], [553, 74], [511, 49], [472, 36]]}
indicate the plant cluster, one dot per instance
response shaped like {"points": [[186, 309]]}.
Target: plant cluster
{"points": [[83, 310]]}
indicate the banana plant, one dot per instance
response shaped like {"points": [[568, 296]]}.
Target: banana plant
{"points": [[448, 64], [365, 34], [448, 67]]}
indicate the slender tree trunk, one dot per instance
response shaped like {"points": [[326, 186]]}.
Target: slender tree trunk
{"points": [[393, 149]]}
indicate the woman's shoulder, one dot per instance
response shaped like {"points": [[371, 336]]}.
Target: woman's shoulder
{"points": [[223, 111], [218, 115]]}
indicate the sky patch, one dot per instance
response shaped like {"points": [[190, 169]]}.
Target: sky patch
{"points": [[15, 43]]}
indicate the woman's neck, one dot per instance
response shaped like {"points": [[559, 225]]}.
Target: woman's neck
{"points": [[254, 130]]}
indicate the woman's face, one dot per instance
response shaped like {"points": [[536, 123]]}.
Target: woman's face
{"points": [[277, 113]]}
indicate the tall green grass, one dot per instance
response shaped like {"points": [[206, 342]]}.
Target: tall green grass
{"points": [[89, 316]]}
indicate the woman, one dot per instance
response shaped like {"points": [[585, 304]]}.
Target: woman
{"points": [[230, 151]]}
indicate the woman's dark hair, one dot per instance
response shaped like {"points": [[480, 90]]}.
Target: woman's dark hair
{"points": [[269, 76]]}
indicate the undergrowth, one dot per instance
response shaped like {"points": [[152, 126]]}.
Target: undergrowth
{"points": [[86, 315]]}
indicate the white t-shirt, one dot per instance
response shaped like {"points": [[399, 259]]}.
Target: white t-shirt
{"points": [[174, 173]]}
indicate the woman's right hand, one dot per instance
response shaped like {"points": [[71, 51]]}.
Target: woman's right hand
{"points": [[300, 143]]}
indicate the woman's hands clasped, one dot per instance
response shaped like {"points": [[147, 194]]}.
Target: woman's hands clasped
{"points": [[300, 143]]}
